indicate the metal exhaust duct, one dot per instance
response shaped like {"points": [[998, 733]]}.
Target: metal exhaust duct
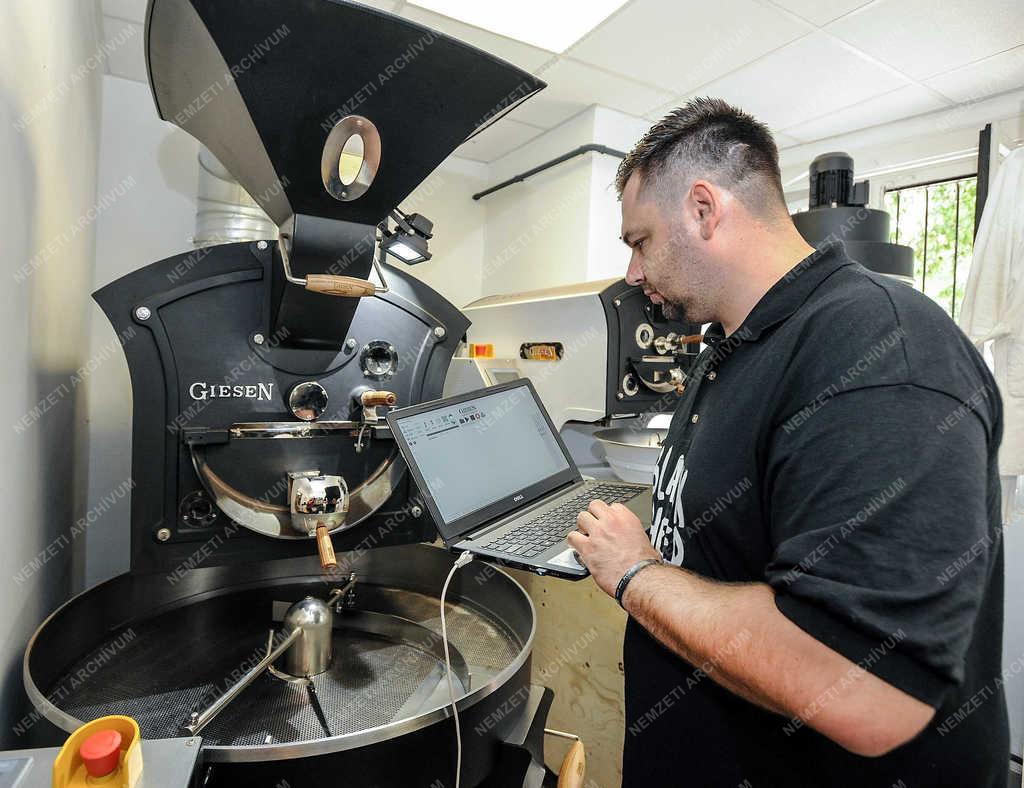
{"points": [[225, 212]]}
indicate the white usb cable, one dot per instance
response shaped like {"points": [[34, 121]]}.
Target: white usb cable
{"points": [[461, 561]]}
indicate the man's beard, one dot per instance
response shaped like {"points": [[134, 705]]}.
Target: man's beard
{"points": [[674, 311], [692, 309], [678, 311]]}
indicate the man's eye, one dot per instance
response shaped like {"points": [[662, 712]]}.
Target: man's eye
{"points": [[640, 244]]}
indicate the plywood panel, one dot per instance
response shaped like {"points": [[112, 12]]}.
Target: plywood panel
{"points": [[578, 654]]}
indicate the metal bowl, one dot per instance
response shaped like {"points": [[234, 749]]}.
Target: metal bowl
{"points": [[153, 648], [632, 453]]}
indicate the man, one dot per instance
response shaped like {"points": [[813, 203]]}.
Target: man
{"points": [[823, 601]]}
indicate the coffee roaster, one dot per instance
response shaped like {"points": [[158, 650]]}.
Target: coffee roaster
{"points": [[594, 351], [260, 371]]}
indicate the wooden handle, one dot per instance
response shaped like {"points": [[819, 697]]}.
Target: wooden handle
{"points": [[347, 286], [325, 547], [574, 767], [371, 399], [691, 339]]}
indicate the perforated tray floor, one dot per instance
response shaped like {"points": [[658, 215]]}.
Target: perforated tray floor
{"points": [[159, 670]]}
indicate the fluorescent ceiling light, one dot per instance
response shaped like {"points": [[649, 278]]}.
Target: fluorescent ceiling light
{"points": [[927, 161], [554, 26], [947, 158]]}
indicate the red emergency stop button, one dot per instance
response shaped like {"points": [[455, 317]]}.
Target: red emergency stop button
{"points": [[101, 753]]}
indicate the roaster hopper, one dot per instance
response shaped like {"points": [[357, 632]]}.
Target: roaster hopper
{"points": [[260, 372]]}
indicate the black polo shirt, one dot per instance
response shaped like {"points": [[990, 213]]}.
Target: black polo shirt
{"points": [[841, 447]]}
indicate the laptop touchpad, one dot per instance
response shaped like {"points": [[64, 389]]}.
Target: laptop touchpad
{"points": [[566, 558]]}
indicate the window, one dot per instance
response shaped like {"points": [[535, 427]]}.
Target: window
{"points": [[937, 221]]}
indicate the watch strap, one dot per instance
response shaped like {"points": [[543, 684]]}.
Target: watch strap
{"points": [[632, 572]]}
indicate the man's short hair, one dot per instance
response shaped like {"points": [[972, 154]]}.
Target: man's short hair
{"points": [[708, 138]]}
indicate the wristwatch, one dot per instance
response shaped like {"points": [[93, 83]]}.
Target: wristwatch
{"points": [[632, 572]]}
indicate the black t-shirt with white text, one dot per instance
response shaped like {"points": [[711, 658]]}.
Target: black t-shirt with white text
{"points": [[841, 447]]}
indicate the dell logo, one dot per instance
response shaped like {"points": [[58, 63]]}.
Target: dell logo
{"points": [[518, 498]]}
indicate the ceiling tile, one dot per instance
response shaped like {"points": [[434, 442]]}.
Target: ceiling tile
{"points": [[553, 26], [987, 77], [820, 12], [574, 86], [901, 103], [923, 38], [782, 91], [681, 46], [494, 142], [784, 140], [126, 56], [662, 110], [133, 10], [519, 54]]}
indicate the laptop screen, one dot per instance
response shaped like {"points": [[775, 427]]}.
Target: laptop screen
{"points": [[482, 455]]}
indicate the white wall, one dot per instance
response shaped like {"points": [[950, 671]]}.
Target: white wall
{"points": [[458, 246], [608, 255], [49, 139], [156, 219], [538, 231], [562, 225]]}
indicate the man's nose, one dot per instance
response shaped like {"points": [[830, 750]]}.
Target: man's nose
{"points": [[634, 274]]}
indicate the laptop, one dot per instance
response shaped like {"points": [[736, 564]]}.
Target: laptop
{"points": [[498, 480]]}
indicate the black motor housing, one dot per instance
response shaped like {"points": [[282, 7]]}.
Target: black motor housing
{"points": [[837, 210]]}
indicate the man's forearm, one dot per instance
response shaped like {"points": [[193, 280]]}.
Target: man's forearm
{"points": [[736, 634], [695, 618]]}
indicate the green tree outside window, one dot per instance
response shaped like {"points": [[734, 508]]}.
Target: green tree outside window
{"points": [[937, 221]]}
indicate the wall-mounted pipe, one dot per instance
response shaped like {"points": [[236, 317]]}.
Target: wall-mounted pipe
{"points": [[591, 148]]}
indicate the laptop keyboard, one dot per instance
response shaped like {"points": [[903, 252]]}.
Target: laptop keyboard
{"points": [[533, 537]]}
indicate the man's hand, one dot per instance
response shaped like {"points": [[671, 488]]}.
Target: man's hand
{"points": [[610, 540]]}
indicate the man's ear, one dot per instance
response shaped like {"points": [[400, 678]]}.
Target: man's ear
{"points": [[707, 207]]}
